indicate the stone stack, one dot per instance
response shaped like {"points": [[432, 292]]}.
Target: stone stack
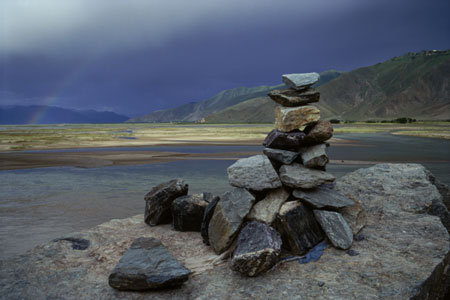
{"points": [[284, 198]]}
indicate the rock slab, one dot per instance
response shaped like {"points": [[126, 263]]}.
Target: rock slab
{"points": [[291, 141], [147, 265], [187, 212], [335, 227], [159, 201], [291, 118], [227, 219], [301, 80], [258, 249], [323, 197], [297, 176], [298, 227], [282, 156], [267, 209], [294, 98], [254, 173]]}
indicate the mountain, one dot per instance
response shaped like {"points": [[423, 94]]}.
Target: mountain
{"points": [[39, 114], [415, 85]]}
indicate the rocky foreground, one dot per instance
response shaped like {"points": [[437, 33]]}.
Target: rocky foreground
{"points": [[401, 253]]}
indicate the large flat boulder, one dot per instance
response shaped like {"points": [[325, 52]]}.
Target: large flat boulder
{"points": [[147, 265], [254, 173], [228, 217], [403, 254], [159, 201]]}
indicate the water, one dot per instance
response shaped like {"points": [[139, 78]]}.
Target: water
{"points": [[38, 205]]}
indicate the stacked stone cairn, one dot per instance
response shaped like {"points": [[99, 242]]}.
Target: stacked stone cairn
{"points": [[282, 204]]}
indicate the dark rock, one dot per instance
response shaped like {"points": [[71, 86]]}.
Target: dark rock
{"points": [[147, 265], [301, 80], [284, 157], [159, 201], [227, 219], [291, 141], [254, 173], [359, 237], [207, 215], [258, 249], [323, 197], [335, 227], [187, 212], [293, 98], [318, 132], [352, 252], [297, 176], [288, 119], [266, 210], [298, 227], [315, 156], [77, 243]]}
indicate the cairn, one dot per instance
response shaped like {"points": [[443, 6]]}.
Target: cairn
{"points": [[283, 199]]}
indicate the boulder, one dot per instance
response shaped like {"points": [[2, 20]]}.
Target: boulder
{"points": [[187, 212], [281, 156], [227, 219], [404, 255], [266, 210], [253, 173], [298, 227], [297, 176], [291, 118], [159, 201], [315, 156], [293, 98], [291, 141], [323, 197], [318, 132], [335, 227], [147, 265], [258, 249], [300, 81], [207, 215]]}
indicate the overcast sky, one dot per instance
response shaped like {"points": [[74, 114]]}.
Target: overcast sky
{"points": [[137, 56]]}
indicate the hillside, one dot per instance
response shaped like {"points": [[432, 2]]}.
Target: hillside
{"points": [[414, 85], [38, 114]]}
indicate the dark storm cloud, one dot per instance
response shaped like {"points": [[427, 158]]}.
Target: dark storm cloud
{"points": [[137, 56]]}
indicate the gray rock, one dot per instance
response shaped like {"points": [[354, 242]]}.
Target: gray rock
{"points": [[159, 201], [335, 227], [300, 81], [405, 255], [297, 176], [227, 219], [355, 216], [298, 227], [254, 173], [209, 211], [266, 210], [258, 249], [282, 156], [288, 119], [293, 98], [147, 265], [318, 132], [315, 156], [291, 141], [323, 197], [187, 212]]}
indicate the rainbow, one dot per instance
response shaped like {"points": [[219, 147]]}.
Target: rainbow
{"points": [[56, 93]]}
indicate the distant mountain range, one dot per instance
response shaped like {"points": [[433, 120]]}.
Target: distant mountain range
{"points": [[414, 85], [39, 114]]}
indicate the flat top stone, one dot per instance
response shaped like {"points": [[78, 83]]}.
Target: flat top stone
{"points": [[402, 247], [300, 80]]}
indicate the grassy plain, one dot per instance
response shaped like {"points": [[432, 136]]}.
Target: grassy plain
{"points": [[29, 137]]}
